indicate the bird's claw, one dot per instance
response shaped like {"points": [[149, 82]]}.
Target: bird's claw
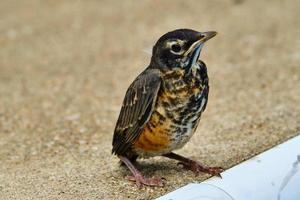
{"points": [[197, 168], [141, 180]]}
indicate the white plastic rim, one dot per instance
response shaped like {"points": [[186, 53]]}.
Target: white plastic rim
{"points": [[195, 191], [273, 174]]}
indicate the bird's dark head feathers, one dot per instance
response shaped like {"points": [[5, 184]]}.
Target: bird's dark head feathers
{"points": [[179, 48]]}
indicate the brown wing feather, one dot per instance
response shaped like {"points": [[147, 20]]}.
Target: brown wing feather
{"points": [[136, 110]]}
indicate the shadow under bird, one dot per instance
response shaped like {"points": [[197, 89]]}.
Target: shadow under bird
{"points": [[163, 105]]}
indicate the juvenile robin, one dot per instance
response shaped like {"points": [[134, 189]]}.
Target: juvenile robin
{"points": [[163, 105]]}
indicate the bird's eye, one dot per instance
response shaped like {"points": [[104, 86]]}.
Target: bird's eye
{"points": [[176, 48]]}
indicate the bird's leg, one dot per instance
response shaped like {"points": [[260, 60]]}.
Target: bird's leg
{"points": [[195, 166], [137, 175]]}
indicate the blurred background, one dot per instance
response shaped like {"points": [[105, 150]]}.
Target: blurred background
{"points": [[65, 66]]}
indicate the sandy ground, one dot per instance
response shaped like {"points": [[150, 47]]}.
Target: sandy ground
{"points": [[65, 66]]}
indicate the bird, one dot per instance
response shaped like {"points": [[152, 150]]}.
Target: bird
{"points": [[163, 105]]}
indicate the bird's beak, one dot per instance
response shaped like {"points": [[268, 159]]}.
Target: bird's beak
{"points": [[203, 37]]}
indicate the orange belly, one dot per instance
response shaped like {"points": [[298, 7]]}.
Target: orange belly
{"points": [[155, 136]]}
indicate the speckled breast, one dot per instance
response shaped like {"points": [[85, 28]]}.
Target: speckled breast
{"points": [[179, 105]]}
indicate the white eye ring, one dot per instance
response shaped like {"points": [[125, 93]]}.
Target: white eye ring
{"points": [[175, 47]]}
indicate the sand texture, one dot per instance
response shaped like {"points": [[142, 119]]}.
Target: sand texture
{"points": [[65, 66]]}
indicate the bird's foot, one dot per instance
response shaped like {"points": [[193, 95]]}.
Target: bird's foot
{"points": [[140, 180], [197, 167]]}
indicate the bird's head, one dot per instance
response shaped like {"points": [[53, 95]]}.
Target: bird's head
{"points": [[179, 48]]}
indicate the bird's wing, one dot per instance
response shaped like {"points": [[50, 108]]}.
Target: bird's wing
{"points": [[136, 110]]}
